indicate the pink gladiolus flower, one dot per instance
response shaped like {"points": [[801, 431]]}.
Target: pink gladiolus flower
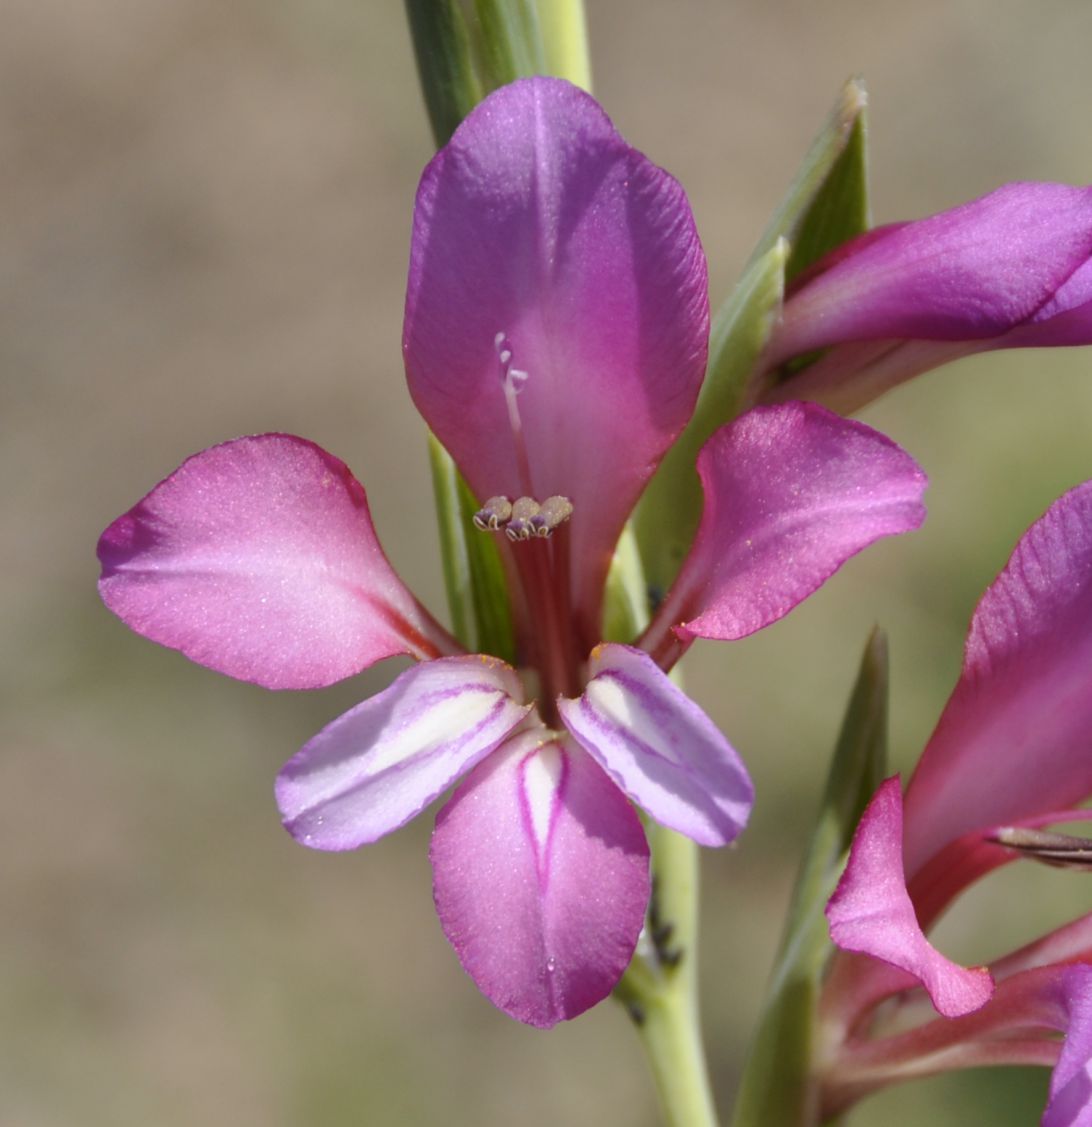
{"points": [[1012, 754], [1010, 270], [555, 340]]}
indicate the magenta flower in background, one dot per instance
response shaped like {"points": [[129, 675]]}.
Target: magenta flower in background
{"points": [[1010, 270], [1012, 754], [555, 340]]}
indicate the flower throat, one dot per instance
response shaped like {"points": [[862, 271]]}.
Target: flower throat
{"points": [[541, 559]]}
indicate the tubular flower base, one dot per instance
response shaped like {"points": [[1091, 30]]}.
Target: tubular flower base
{"points": [[1012, 755], [1010, 270], [555, 340]]}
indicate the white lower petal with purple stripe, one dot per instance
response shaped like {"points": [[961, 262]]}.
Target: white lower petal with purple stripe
{"points": [[659, 746], [380, 764]]}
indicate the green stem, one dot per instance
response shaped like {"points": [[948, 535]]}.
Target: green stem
{"points": [[660, 989], [565, 40]]}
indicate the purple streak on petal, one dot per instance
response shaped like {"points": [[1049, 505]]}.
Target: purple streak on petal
{"points": [[1015, 739], [791, 493], [1070, 1101], [973, 272], [383, 762], [258, 559], [538, 221], [871, 913], [659, 746], [540, 879]]}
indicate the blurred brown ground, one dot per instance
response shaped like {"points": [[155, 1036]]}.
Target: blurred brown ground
{"points": [[205, 225]]}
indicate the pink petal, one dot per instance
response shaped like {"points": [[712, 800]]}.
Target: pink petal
{"points": [[791, 493], [659, 746], [383, 762], [1015, 739], [541, 879], [871, 913], [1070, 1102], [258, 559], [538, 226], [970, 273]]}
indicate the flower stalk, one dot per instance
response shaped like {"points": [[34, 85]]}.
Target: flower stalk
{"points": [[564, 33], [662, 997]]}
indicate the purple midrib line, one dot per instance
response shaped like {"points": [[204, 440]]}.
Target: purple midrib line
{"points": [[654, 705], [542, 857]]}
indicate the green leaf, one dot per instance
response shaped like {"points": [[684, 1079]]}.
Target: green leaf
{"points": [[668, 514], [827, 203], [445, 66], [466, 49], [858, 767], [625, 612], [473, 575], [776, 1084]]}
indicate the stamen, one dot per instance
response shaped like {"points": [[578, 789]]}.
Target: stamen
{"points": [[552, 512], [494, 513], [524, 517], [1062, 850], [520, 527]]}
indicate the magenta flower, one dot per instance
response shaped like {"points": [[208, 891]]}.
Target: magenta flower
{"points": [[1012, 754], [1010, 270], [555, 339]]}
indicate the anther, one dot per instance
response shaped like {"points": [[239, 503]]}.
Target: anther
{"points": [[520, 527], [525, 517], [551, 513], [495, 512]]}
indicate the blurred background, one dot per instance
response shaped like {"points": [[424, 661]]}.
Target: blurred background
{"points": [[207, 212]]}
